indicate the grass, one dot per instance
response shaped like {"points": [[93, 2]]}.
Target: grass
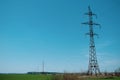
{"points": [[50, 77], [24, 77]]}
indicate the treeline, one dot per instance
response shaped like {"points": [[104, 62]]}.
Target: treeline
{"points": [[43, 73]]}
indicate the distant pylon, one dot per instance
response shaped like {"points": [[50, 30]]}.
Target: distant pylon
{"points": [[43, 67], [93, 67]]}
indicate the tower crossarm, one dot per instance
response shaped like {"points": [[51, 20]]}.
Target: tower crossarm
{"points": [[91, 23], [90, 13]]}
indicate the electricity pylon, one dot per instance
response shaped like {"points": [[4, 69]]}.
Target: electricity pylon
{"points": [[93, 67]]}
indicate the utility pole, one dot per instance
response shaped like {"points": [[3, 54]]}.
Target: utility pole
{"points": [[43, 67], [93, 67]]}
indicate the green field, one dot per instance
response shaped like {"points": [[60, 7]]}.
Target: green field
{"points": [[47, 77], [24, 77]]}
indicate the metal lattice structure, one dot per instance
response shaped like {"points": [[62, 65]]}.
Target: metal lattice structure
{"points": [[93, 67]]}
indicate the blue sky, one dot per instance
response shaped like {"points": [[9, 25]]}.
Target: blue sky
{"points": [[33, 31]]}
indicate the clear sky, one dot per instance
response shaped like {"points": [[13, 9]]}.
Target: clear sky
{"points": [[33, 31]]}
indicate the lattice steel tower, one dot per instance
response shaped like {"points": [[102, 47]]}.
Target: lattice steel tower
{"points": [[93, 67]]}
